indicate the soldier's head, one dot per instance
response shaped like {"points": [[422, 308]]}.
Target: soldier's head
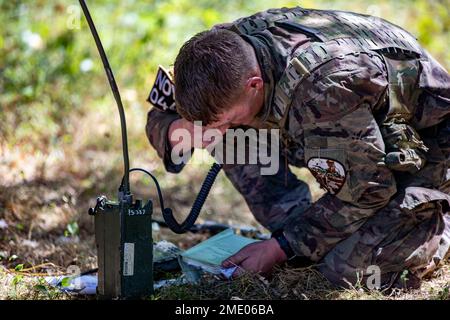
{"points": [[218, 80]]}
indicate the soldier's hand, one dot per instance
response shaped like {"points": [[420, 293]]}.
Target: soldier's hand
{"points": [[195, 138], [259, 257]]}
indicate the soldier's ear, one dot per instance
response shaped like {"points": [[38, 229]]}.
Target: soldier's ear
{"points": [[255, 83]]}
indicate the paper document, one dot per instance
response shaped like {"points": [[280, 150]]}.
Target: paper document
{"points": [[209, 255]]}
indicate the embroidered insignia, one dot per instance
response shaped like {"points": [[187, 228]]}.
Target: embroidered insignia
{"points": [[162, 95], [329, 173]]}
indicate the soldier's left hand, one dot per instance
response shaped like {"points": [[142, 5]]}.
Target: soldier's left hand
{"points": [[259, 257]]}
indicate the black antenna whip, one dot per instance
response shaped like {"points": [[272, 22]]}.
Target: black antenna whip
{"points": [[115, 90]]}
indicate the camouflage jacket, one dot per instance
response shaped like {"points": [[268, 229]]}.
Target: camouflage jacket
{"points": [[332, 124]]}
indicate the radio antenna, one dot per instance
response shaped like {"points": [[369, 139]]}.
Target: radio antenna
{"points": [[112, 82]]}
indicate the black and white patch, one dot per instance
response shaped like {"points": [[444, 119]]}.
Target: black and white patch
{"points": [[329, 173], [162, 95]]}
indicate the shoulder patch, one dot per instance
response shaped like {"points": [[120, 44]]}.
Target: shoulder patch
{"points": [[162, 95], [329, 173]]}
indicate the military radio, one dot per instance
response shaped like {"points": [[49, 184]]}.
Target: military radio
{"points": [[123, 228]]}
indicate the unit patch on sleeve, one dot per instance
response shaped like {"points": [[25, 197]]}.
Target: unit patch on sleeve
{"points": [[329, 173]]}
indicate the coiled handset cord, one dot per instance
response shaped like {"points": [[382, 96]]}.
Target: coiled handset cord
{"points": [[167, 213]]}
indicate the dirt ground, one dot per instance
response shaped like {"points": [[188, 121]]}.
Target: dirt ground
{"points": [[45, 228]]}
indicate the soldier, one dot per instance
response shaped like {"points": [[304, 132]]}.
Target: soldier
{"points": [[343, 88]]}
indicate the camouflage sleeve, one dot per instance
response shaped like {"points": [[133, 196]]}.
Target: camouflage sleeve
{"points": [[157, 128], [344, 150], [271, 198]]}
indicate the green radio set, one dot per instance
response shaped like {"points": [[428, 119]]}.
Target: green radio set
{"points": [[123, 228]]}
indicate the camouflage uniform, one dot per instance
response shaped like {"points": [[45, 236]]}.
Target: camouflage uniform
{"points": [[337, 120]]}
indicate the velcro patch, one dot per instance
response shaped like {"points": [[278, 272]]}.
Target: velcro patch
{"points": [[329, 173], [162, 95]]}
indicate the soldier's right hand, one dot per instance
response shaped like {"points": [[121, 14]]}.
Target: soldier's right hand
{"points": [[195, 139]]}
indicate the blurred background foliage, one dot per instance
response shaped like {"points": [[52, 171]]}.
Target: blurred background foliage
{"points": [[57, 114], [51, 75]]}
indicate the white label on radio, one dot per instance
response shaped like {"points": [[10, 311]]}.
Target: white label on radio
{"points": [[128, 259]]}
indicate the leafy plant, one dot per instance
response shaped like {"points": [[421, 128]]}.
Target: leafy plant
{"points": [[16, 281], [43, 288], [72, 229], [404, 277], [65, 282], [444, 294]]}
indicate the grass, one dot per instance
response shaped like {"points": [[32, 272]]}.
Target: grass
{"points": [[300, 284], [45, 210], [59, 139]]}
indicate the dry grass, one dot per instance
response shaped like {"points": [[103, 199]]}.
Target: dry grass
{"points": [[44, 191]]}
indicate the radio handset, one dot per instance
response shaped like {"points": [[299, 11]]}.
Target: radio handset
{"points": [[162, 97]]}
